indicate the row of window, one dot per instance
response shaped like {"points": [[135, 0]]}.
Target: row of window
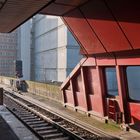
{"points": [[8, 47], [11, 61], [133, 82], [8, 39], [7, 53]]}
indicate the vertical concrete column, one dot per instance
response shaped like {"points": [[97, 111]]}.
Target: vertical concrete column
{"points": [[1, 96]]}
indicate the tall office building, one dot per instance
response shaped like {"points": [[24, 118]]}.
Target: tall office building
{"points": [[55, 49], [8, 52], [52, 50], [24, 48]]}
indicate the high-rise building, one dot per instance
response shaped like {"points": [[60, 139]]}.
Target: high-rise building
{"points": [[46, 47], [24, 48], [8, 51]]}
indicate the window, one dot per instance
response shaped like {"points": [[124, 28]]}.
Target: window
{"points": [[111, 81], [133, 79]]}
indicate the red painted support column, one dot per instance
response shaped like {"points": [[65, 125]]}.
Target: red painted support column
{"points": [[101, 91], [84, 89], [1, 96], [120, 88], [122, 93], [63, 96], [73, 93]]}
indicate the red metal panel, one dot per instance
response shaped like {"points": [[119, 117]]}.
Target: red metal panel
{"points": [[106, 61], [79, 92], [83, 32], [89, 62], [81, 101], [94, 92], [56, 9], [98, 94], [105, 26], [69, 97], [89, 78], [135, 112], [128, 61], [127, 12]]}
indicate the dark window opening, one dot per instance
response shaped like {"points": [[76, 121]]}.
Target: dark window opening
{"points": [[133, 80], [111, 81]]}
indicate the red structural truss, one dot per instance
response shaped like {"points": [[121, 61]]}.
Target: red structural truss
{"points": [[108, 32], [85, 89]]}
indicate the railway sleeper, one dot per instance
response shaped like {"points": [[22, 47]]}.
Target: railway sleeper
{"points": [[22, 111], [39, 125], [43, 128], [30, 118], [63, 138], [35, 122], [27, 114], [53, 136], [51, 131]]}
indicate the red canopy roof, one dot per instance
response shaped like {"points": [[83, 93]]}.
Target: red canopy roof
{"points": [[100, 26]]}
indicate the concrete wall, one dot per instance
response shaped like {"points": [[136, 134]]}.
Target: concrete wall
{"points": [[55, 50], [25, 48], [48, 50], [50, 90]]}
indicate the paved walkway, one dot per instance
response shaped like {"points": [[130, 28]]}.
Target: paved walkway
{"points": [[11, 128]]}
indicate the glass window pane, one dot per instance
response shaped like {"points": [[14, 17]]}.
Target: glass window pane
{"points": [[111, 81], [133, 78]]}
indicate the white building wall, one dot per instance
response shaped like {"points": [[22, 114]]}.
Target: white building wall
{"points": [[53, 49], [25, 48], [45, 53], [50, 48]]}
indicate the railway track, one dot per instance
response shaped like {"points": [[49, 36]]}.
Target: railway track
{"points": [[47, 125]]}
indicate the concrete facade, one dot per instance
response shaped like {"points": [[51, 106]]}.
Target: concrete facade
{"points": [[52, 49], [24, 48], [8, 52]]}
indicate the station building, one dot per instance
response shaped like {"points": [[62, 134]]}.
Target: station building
{"points": [[108, 34]]}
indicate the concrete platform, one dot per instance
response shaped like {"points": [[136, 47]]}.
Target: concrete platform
{"points": [[11, 128], [81, 118]]}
